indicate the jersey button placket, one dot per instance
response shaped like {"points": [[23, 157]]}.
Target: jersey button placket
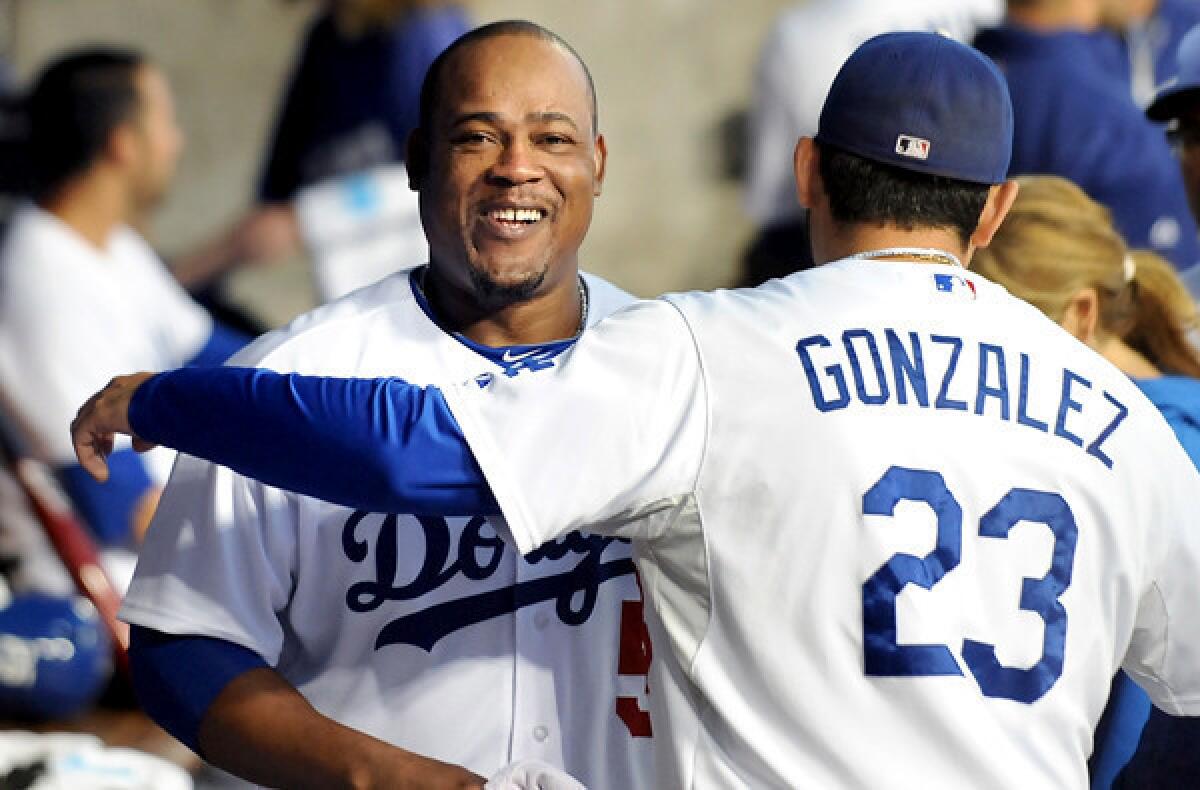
{"points": [[534, 692]]}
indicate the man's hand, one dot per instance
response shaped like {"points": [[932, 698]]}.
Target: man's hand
{"points": [[103, 416]]}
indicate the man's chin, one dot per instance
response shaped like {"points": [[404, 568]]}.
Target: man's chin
{"points": [[495, 289]]}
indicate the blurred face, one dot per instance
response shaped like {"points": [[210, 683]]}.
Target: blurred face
{"points": [[513, 169], [1186, 142], [158, 139]]}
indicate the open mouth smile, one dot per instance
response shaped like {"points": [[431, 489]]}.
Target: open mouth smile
{"points": [[513, 222]]}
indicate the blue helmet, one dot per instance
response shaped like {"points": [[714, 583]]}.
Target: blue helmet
{"points": [[55, 656]]}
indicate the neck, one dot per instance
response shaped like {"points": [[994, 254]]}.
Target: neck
{"points": [[1128, 360], [554, 313], [867, 238], [1050, 17], [92, 206]]}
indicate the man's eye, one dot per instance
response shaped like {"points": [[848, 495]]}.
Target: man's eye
{"points": [[470, 138], [556, 139]]}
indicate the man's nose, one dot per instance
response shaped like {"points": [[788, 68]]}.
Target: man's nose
{"points": [[517, 163]]}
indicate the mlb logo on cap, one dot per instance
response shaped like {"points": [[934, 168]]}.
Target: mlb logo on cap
{"points": [[913, 147]]}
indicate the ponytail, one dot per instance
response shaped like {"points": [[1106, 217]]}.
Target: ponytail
{"points": [[1164, 314]]}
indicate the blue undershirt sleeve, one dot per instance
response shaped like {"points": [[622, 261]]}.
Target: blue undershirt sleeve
{"points": [[176, 678], [222, 343], [382, 445], [108, 508]]}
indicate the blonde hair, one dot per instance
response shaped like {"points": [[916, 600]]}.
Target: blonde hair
{"points": [[1056, 241]]}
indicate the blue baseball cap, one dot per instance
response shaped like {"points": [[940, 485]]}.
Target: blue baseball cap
{"points": [[922, 102], [1184, 87]]}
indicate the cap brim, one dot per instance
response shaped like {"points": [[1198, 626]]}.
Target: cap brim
{"points": [[1172, 103]]}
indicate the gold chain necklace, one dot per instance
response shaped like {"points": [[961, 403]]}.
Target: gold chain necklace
{"points": [[925, 254]]}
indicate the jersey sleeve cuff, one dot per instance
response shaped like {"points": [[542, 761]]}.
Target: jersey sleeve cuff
{"points": [[169, 622]]}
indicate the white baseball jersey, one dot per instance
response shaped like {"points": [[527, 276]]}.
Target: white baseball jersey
{"points": [[428, 633], [73, 316], [802, 54], [898, 529]]}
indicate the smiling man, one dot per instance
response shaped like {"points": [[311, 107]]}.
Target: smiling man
{"points": [[301, 644]]}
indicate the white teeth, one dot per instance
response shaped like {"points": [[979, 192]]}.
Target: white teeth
{"points": [[517, 214]]}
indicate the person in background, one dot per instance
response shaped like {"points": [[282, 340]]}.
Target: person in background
{"points": [[1076, 120], [350, 104], [1148, 35], [1059, 251], [1178, 105], [82, 295], [803, 51]]}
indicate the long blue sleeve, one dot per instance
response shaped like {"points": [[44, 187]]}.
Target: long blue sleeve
{"points": [[382, 445], [177, 678]]}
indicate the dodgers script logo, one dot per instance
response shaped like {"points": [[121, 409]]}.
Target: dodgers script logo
{"points": [[476, 557]]}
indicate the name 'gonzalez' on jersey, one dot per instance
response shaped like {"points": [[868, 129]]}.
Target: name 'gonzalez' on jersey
{"points": [[967, 376]]}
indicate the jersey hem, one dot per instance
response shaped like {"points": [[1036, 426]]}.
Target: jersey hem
{"points": [[514, 517]]}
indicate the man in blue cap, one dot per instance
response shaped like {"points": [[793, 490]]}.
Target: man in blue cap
{"points": [[881, 507], [1178, 104]]}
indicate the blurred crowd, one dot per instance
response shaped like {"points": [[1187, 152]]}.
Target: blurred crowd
{"points": [[1103, 239]]}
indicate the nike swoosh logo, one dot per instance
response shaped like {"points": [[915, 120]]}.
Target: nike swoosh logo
{"points": [[509, 356]]}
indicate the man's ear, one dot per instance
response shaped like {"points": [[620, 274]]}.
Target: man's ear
{"points": [[417, 159], [1000, 200], [806, 162], [123, 144], [601, 154]]}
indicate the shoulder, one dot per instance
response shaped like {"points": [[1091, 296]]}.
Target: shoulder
{"points": [[40, 252], [604, 298], [338, 327], [1179, 392], [34, 231], [129, 246]]}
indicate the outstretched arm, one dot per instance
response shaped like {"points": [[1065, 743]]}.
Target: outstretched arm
{"points": [[263, 729], [373, 444], [223, 701]]}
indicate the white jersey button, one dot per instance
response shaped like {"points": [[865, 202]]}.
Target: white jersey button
{"points": [[540, 733], [541, 620]]}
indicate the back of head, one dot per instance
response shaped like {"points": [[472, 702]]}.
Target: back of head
{"points": [[1056, 242], [914, 131], [74, 106]]}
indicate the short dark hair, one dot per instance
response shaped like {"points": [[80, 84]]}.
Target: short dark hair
{"points": [[73, 108], [431, 88], [862, 191]]}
